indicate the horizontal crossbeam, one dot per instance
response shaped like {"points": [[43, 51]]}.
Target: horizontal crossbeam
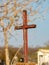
{"points": [[25, 27]]}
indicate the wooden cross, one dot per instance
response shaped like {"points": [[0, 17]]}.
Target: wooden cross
{"points": [[25, 37]]}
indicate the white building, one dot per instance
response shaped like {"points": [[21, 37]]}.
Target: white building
{"points": [[43, 56]]}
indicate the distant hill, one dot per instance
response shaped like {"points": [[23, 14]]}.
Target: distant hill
{"points": [[32, 53]]}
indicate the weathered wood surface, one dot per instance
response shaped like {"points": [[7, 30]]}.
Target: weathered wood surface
{"points": [[25, 63]]}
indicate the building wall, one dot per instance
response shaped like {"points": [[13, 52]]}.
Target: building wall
{"points": [[43, 57]]}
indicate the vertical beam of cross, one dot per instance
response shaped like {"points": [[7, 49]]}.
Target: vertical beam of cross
{"points": [[25, 36]]}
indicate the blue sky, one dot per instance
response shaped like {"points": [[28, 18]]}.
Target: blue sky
{"points": [[38, 36]]}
